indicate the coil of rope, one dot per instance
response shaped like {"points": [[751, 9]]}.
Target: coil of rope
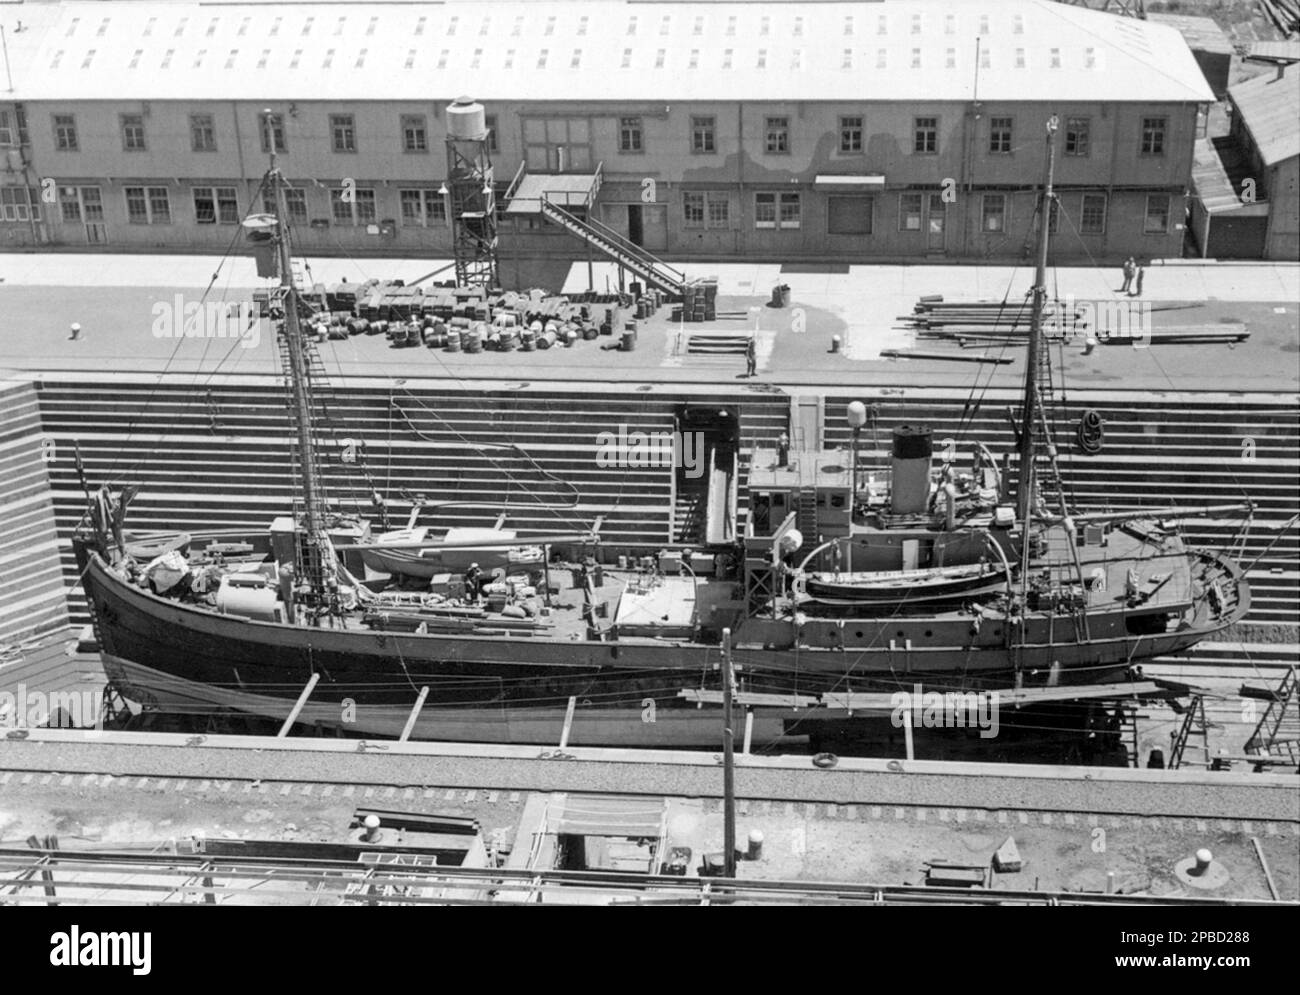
{"points": [[1091, 433]]}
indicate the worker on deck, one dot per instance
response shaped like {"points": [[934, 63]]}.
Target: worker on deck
{"points": [[751, 357], [472, 580]]}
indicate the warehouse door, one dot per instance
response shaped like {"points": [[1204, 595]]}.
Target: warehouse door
{"points": [[937, 223]]}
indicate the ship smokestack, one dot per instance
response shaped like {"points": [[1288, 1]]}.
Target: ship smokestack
{"points": [[910, 487]]}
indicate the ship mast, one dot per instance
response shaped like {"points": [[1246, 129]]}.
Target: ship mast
{"points": [[1032, 402], [314, 556]]}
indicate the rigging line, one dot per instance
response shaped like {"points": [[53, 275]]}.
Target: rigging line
{"points": [[483, 446], [1149, 348], [974, 403], [180, 340]]}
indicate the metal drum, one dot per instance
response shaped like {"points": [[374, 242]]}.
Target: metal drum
{"points": [[453, 340]]}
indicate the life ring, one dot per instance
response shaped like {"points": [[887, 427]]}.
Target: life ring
{"points": [[825, 760], [1091, 433]]}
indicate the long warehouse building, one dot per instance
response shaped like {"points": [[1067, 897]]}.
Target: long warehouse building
{"points": [[890, 130]]}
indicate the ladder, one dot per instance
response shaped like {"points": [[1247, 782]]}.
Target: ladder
{"points": [[309, 565], [1194, 722], [1278, 732], [623, 251]]}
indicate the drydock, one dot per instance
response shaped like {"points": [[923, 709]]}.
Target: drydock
{"points": [[199, 425]]}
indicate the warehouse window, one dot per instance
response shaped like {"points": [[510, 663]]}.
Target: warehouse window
{"points": [[329, 59], [627, 59], [692, 209], [846, 62], [764, 25], [726, 58], [215, 204], [702, 134], [629, 135], [1092, 220], [370, 27], [490, 122], [542, 57], [1018, 24], [1020, 58], [295, 204], [762, 58], [916, 24], [850, 134], [419, 25], [985, 59], [410, 59], [582, 25], [1000, 135], [451, 25], [135, 58], [705, 209], [78, 203], [198, 59], [414, 136], [243, 26], [849, 215], [1157, 216], [576, 61], [262, 59], [6, 130], [272, 128], [631, 25], [423, 208], [994, 212], [848, 25], [19, 204], [1153, 135], [148, 205], [275, 26], [306, 27], [550, 26], [297, 58], [950, 59], [1055, 58], [358, 210], [442, 59], [731, 26], [776, 135], [132, 132], [1076, 136], [925, 135], [773, 210], [660, 55], [90, 57], [230, 59], [882, 58], [909, 212], [949, 24], [180, 26], [694, 62], [212, 27], [882, 25], [65, 132], [203, 133], [361, 59], [478, 57]]}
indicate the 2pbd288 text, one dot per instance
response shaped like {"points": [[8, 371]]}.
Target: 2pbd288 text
{"points": [[1178, 936]]}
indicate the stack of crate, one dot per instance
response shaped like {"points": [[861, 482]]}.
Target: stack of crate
{"points": [[700, 300]]}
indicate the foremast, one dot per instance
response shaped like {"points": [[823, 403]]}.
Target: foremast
{"points": [[315, 571]]}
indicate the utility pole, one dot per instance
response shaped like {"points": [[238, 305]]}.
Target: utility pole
{"points": [[728, 762]]}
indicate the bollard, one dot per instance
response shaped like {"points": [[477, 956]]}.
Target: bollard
{"points": [[836, 343], [755, 845]]}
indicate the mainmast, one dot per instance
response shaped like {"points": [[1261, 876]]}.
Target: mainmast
{"points": [[1032, 402], [313, 555]]}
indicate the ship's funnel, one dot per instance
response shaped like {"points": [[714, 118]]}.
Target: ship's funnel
{"points": [[910, 487]]}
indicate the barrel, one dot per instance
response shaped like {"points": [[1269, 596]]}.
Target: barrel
{"points": [[435, 339], [471, 340], [629, 340], [453, 340], [528, 340], [509, 340], [589, 331], [570, 335], [546, 339]]}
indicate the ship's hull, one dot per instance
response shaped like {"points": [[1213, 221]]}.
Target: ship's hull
{"points": [[517, 677]]}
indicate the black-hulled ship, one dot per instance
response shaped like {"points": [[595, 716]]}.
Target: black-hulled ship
{"points": [[843, 579]]}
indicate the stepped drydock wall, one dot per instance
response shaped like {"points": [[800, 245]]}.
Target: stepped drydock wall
{"points": [[215, 454], [32, 593]]}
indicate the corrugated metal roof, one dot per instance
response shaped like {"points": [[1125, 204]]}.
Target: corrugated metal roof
{"points": [[612, 50], [1268, 105], [1201, 33]]}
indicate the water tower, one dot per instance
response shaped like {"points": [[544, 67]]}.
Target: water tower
{"points": [[472, 199]]}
